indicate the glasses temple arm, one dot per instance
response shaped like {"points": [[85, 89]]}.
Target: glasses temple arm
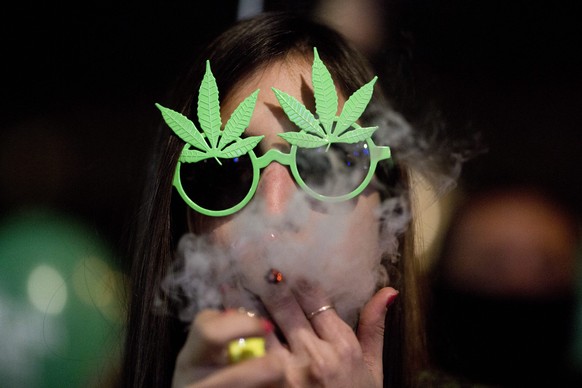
{"points": [[381, 153]]}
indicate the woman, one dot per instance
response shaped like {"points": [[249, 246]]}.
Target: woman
{"points": [[315, 277]]}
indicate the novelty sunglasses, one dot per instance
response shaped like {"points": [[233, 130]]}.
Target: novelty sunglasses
{"points": [[331, 158]]}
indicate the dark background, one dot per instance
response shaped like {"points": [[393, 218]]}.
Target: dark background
{"points": [[79, 87]]}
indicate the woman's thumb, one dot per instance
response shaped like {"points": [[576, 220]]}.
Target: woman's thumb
{"points": [[371, 324]]}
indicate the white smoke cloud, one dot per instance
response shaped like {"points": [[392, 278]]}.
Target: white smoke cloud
{"points": [[210, 276]]}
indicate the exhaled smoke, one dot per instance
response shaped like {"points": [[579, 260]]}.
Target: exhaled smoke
{"points": [[193, 282], [318, 246], [430, 152], [331, 246]]}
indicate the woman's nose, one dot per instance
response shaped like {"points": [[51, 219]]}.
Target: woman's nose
{"points": [[276, 188]]}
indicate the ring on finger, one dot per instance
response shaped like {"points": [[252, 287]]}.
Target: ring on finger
{"points": [[312, 314]]}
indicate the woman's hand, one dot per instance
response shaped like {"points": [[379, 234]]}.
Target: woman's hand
{"points": [[204, 362], [321, 351]]}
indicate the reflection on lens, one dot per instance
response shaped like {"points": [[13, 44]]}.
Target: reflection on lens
{"points": [[336, 171], [217, 187]]}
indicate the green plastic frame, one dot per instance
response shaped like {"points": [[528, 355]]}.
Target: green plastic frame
{"points": [[323, 129], [377, 153]]}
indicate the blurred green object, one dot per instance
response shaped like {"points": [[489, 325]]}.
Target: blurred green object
{"points": [[60, 302]]}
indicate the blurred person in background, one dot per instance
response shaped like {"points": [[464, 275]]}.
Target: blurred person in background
{"points": [[504, 290]]}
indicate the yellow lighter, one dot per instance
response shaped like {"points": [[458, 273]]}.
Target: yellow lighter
{"points": [[245, 348]]}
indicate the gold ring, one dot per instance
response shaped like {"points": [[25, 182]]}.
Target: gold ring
{"points": [[319, 311]]}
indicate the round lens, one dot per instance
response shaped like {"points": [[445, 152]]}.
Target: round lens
{"points": [[215, 186], [334, 171]]}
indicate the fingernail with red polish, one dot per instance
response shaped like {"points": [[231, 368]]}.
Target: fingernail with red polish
{"points": [[391, 299], [267, 326]]}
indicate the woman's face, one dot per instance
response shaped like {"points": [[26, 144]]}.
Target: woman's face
{"points": [[281, 227]]}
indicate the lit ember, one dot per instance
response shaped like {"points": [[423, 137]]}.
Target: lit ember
{"points": [[274, 276]]}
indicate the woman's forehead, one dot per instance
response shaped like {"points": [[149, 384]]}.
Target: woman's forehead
{"points": [[291, 74], [292, 77]]}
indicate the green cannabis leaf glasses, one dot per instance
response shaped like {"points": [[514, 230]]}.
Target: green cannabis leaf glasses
{"points": [[331, 158]]}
